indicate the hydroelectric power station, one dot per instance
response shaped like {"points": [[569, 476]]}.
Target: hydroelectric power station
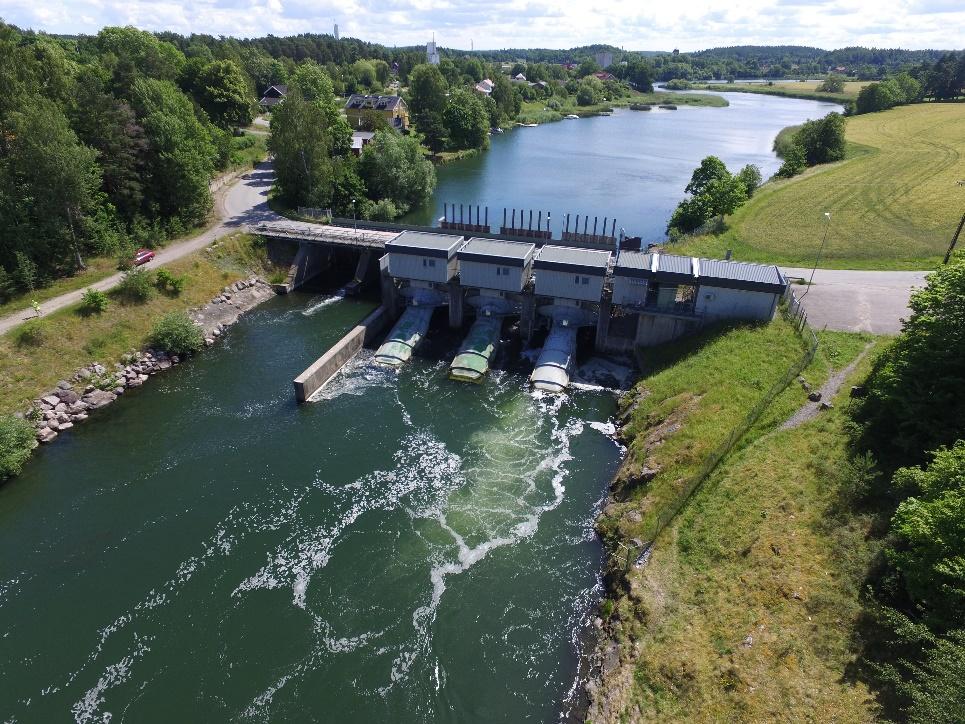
{"points": [[583, 287]]}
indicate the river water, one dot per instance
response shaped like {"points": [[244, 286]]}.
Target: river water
{"points": [[404, 549], [631, 166]]}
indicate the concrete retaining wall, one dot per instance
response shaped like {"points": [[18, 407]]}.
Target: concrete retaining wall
{"points": [[326, 366]]}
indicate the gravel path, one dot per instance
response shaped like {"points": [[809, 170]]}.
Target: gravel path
{"points": [[828, 390]]}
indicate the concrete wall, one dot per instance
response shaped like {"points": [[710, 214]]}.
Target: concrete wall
{"points": [[564, 285], [309, 262], [720, 303], [629, 290], [654, 329], [422, 268], [493, 276], [326, 366]]}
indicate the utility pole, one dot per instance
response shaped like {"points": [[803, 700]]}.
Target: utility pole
{"points": [[817, 260], [951, 247]]}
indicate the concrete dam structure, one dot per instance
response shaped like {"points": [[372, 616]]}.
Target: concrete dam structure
{"points": [[621, 300]]}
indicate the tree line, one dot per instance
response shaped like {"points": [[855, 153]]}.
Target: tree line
{"points": [[908, 440], [943, 80], [106, 142]]}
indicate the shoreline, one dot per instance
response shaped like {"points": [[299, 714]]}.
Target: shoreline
{"points": [[96, 385]]}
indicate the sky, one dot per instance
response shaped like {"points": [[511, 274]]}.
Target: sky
{"points": [[491, 24]]}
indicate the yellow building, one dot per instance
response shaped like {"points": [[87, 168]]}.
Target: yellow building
{"points": [[392, 108]]}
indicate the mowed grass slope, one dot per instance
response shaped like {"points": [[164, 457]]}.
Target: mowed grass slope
{"points": [[894, 203], [795, 89], [758, 552]]}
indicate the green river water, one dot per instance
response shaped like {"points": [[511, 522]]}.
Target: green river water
{"points": [[405, 549]]}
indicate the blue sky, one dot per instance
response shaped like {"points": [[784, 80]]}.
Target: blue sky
{"points": [[636, 25]]}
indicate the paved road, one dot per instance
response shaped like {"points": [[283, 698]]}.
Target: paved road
{"points": [[857, 301], [243, 203]]}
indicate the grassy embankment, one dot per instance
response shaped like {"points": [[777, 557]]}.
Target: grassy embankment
{"points": [[894, 201], [72, 339], [243, 157], [805, 90], [757, 552], [537, 112]]}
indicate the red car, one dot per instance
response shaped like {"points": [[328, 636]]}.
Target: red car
{"points": [[143, 256]]}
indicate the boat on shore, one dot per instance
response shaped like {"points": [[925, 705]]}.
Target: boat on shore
{"points": [[571, 116], [529, 125]]}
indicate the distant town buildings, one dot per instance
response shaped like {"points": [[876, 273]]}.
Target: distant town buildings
{"points": [[604, 60], [432, 55], [485, 87]]}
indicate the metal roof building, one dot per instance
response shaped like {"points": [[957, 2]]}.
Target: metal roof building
{"points": [[495, 264], [423, 256], [674, 269], [570, 273]]}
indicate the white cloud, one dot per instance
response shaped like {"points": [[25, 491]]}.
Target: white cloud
{"points": [[686, 24]]}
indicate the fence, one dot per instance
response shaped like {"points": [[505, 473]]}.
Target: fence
{"points": [[311, 212], [794, 312]]}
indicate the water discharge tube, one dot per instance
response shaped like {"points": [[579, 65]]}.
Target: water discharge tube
{"points": [[555, 361], [405, 336], [472, 362]]}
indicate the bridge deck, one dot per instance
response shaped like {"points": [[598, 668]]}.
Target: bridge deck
{"points": [[323, 234]]}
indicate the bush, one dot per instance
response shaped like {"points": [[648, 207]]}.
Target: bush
{"points": [[136, 286], [167, 282], [915, 401], [93, 302], [25, 272], [832, 84], [678, 84], [751, 177], [382, 210], [175, 333], [16, 442], [31, 333]]}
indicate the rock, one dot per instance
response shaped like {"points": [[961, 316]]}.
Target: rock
{"points": [[19, 415], [64, 385], [136, 382], [99, 398], [634, 516], [164, 364], [98, 368], [77, 407], [142, 377], [60, 407], [79, 417], [611, 659], [45, 434], [216, 332], [83, 374], [208, 341], [66, 425], [51, 400], [89, 389], [119, 391], [53, 424], [63, 417], [175, 359], [814, 397], [49, 414], [826, 406], [748, 641], [598, 622], [859, 391], [68, 396]]}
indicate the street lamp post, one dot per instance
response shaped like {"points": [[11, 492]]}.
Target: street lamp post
{"points": [[355, 226], [951, 247], [817, 260]]}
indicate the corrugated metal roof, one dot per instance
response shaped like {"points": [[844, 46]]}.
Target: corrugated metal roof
{"points": [[633, 260], [573, 257], [424, 241], [711, 269], [674, 264], [498, 248]]}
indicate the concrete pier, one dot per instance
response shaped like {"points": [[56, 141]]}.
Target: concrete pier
{"points": [[325, 367]]}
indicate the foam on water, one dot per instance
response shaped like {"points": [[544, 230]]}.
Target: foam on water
{"points": [[317, 305]]}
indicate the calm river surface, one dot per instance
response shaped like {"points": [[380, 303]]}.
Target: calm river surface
{"points": [[408, 549], [632, 166]]}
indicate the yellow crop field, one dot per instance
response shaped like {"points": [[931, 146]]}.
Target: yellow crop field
{"points": [[894, 202]]}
